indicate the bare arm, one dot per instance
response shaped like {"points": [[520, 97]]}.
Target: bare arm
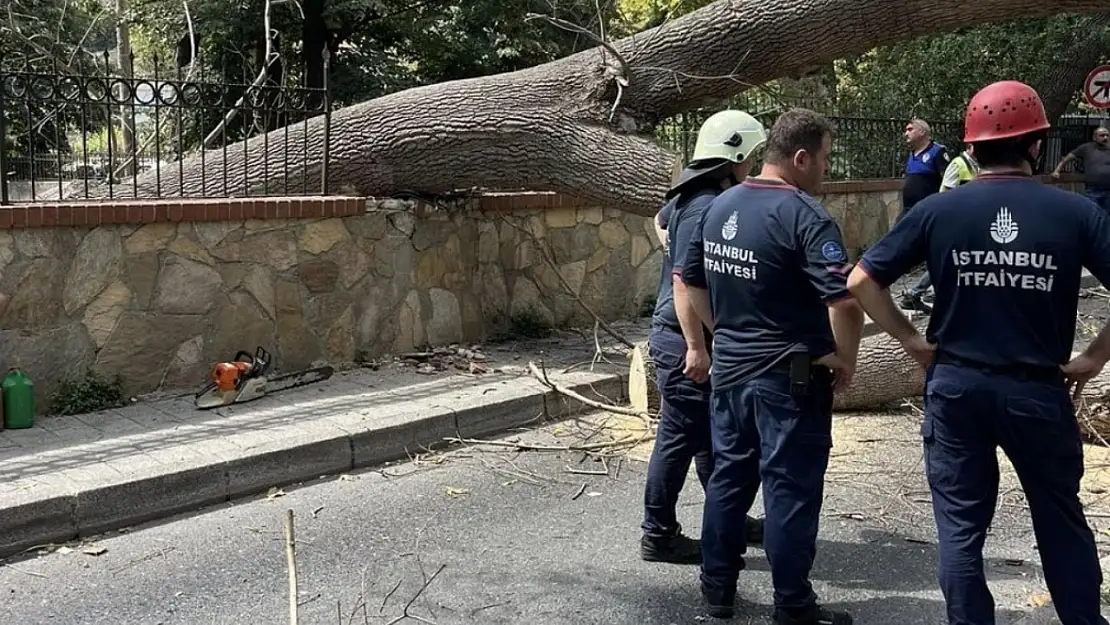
{"points": [[879, 304], [1099, 349], [1069, 157], [691, 306], [846, 318], [660, 233]]}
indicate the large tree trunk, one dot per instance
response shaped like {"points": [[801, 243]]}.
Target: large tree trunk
{"points": [[550, 127], [886, 377], [1060, 84]]}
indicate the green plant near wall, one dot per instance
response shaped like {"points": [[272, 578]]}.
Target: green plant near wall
{"points": [[87, 393]]}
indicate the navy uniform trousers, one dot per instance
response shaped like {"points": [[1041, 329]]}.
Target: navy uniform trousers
{"points": [[760, 428], [970, 412], [682, 434]]}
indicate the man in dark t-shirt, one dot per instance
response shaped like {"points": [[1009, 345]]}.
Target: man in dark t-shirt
{"points": [[1006, 254], [767, 265], [1095, 156]]}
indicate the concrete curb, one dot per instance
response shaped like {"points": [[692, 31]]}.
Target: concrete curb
{"points": [[298, 452]]}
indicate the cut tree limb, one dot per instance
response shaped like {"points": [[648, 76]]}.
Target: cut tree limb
{"points": [[548, 128], [643, 390], [885, 375]]}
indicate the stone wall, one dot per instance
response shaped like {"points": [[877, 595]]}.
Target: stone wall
{"points": [[157, 302], [157, 291]]}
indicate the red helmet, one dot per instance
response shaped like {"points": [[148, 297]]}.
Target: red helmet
{"points": [[1004, 109]]}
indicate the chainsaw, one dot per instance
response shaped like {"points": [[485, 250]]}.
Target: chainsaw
{"points": [[244, 379]]}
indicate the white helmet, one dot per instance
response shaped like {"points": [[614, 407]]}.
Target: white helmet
{"points": [[726, 137], [731, 135]]}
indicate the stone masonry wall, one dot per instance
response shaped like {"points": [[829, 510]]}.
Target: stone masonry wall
{"points": [[158, 302], [157, 291]]}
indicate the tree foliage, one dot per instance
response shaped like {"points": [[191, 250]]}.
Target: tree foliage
{"points": [[934, 77], [44, 34], [376, 47], [50, 36]]}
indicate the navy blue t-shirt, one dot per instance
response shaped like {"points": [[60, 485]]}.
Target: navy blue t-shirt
{"points": [[1005, 254], [683, 213], [772, 259]]}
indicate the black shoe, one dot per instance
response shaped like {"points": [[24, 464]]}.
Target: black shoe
{"points": [[914, 302], [719, 603], [813, 615], [677, 549], [754, 531]]}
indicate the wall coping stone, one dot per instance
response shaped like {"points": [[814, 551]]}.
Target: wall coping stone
{"points": [[130, 211], [136, 212]]}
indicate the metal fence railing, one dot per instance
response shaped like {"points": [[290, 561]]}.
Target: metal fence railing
{"points": [[872, 147], [119, 134]]}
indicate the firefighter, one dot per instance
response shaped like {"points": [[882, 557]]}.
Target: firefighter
{"points": [[768, 269], [722, 156], [1005, 253]]}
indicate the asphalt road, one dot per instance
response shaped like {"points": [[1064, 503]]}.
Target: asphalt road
{"points": [[516, 544]]}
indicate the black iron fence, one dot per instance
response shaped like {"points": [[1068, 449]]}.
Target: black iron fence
{"points": [[125, 131], [873, 147]]}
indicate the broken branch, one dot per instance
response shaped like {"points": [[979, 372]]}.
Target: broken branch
{"points": [[589, 402], [405, 613], [547, 257], [291, 561]]}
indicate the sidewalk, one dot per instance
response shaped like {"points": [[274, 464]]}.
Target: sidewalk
{"points": [[75, 476]]}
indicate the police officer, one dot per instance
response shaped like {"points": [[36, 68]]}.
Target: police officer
{"points": [[1005, 253], [925, 170], [767, 268], [722, 157], [960, 171]]}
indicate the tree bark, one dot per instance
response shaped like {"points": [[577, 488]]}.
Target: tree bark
{"points": [[1060, 84], [885, 376], [550, 127]]}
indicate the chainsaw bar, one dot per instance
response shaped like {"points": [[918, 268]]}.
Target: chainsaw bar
{"points": [[298, 378]]}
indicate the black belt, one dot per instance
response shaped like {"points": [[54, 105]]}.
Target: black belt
{"points": [[1032, 373]]}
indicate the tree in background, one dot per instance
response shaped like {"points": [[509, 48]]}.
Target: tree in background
{"points": [[50, 36]]}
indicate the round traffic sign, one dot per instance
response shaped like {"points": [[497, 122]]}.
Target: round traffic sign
{"points": [[1096, 89]]}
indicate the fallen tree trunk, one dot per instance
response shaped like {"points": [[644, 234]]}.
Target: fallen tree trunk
{"points": [[580, 125], [886, 377]]}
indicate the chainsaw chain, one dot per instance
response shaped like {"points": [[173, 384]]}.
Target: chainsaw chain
{"points": [[319, 374]]}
